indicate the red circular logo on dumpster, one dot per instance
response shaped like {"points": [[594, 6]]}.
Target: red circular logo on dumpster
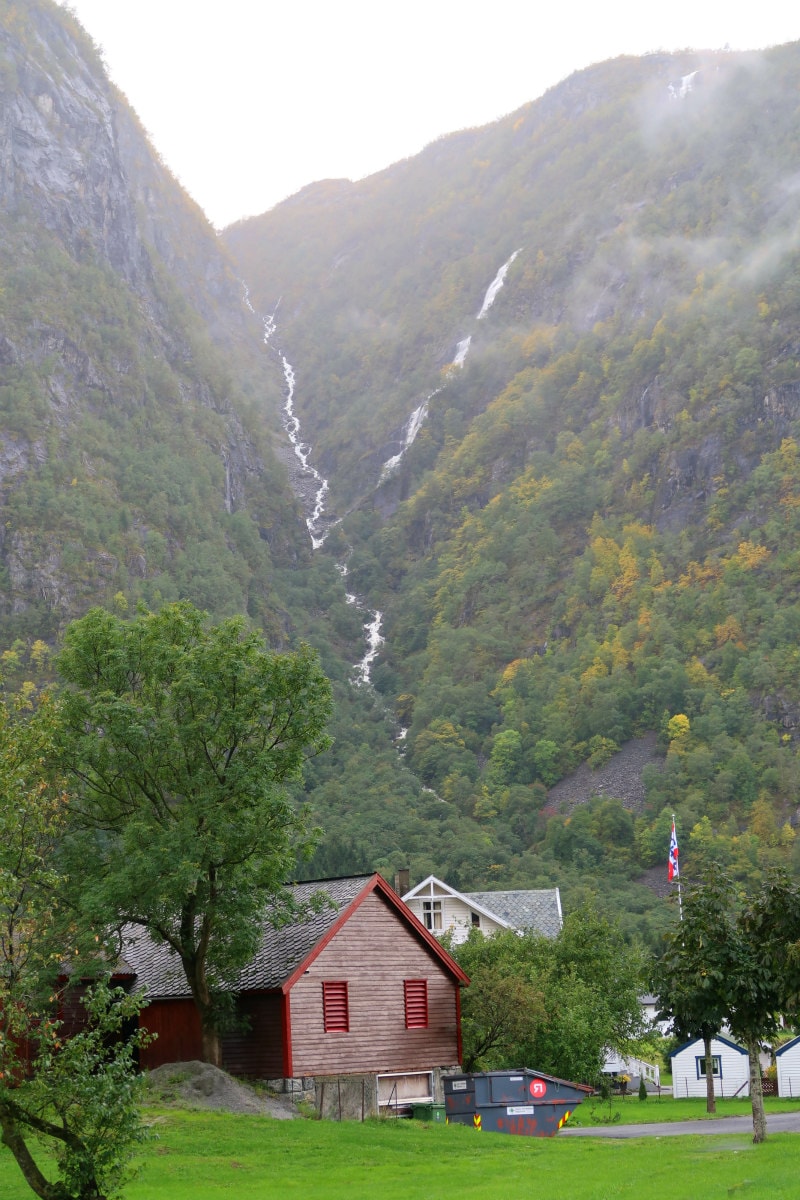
{"points": [[538, 1088]]}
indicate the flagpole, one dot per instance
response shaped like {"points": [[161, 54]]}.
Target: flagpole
{"points": [[674, 865]]}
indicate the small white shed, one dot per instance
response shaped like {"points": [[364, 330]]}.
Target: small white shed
{"points": [[788, 1063], [731, 1069]]}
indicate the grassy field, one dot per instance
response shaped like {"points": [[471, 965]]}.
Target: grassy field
{"points": [[632, 1111], [205, 1156]]}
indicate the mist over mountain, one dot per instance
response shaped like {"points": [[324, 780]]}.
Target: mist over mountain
{"points": [[592, 537], [550, 371]]}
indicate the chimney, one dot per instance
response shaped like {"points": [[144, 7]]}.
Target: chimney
{"points": [[401, 881]]}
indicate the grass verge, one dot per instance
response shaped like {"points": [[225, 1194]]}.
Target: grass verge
{"points": [[206, 1156], [632, 1111]]}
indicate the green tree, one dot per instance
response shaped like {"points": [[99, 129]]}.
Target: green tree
{"points": [[181, 738], [556, 1003], [76, 1096], [691, 975], [764, 974], [743, 954]]}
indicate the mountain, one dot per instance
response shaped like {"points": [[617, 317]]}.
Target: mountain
{"points": [[142, 453], [550, 371], [135, 456], [593, 536]]}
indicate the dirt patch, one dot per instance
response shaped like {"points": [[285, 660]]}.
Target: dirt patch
{"points": [[199, 1085]]}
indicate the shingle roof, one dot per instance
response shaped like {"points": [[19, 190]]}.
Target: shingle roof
{"points": [[538, 910], [282, 950]]}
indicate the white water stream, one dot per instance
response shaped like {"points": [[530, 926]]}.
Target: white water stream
{"points": [[318, 488], [494, 287], [417, 418], [314, 488]]}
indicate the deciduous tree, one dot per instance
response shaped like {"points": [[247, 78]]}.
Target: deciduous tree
{"points": [[76, 1096], [180, 738]]}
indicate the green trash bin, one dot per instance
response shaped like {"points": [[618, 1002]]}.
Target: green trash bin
{"points": [[429, 1112]]}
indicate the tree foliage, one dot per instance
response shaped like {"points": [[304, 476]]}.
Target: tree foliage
{"points": [[555, 1005], [73, 1091], [180, 739], [734, 959]]}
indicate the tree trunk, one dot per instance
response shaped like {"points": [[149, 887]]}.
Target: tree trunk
{"points": [[212, 1049], [756, 1094], [12, 1137], [711, 1102]]}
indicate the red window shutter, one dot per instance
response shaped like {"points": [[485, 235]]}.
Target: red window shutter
{"points": [[416, 997], [335, 1012]]}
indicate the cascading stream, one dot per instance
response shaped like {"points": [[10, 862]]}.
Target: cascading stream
{"points": [[314, 489], [417, 418]]}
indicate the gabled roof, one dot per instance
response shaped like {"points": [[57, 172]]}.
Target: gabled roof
{"points": [[285, 952], [539, 910], [787, 1046], [699, 1041]]}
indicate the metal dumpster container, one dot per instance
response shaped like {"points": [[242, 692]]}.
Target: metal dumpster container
{"points": [[524, 1102]]}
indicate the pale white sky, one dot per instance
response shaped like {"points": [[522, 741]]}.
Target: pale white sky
{"points": [[249, 100]]}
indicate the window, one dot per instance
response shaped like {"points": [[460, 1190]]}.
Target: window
{"points": [[716, 1069], [416, 1002], [335, 1012], [432, 914], [476, 920]]}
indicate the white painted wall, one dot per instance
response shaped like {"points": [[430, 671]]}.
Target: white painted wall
{"points": [[789, 1070], [735, 1071]]}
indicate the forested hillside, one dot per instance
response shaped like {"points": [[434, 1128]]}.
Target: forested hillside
{"points": [[551, 371], [593, 536], [142, 456]]}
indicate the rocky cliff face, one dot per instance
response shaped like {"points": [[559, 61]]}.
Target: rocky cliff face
{"points": [[136, 401]]}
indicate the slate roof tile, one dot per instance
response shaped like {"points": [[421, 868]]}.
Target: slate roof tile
{"points": [[282, 949], [538, 910]]}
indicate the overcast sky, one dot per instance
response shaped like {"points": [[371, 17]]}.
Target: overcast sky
{"points": [[249, 100]]}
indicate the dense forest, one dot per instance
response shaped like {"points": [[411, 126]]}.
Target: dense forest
{"points": [[592, 538], [584, 561]]}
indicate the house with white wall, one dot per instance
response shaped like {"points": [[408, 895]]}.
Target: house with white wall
{"points": [[731, 1068], [787, 1060], [442, 909]]}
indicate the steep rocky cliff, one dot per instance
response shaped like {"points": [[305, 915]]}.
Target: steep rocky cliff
{"points": [[136, 400]]}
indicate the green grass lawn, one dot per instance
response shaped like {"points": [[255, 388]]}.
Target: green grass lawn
{"points": [[203, 1156], [633, 1111]]}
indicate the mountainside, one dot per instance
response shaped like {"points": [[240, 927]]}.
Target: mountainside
{"points": [[135, 455], [142, 455], [550, 371], [593, 535]]}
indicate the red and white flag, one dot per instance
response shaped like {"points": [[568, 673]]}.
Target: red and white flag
{"points": [[673, 871]]}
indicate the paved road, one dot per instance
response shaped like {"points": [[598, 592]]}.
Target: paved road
{"points": [[776, 1123]]}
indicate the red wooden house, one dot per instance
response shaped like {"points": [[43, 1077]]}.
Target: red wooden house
{"points": [[358, 988]]}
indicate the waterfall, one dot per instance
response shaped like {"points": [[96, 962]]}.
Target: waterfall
{"points": [[410, 431], [313, 488], [462, 350], [302, 450], [494, 287]]}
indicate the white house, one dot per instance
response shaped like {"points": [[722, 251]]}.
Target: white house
{"points": [[731, 1069], [440, 908], [788, 1063]]}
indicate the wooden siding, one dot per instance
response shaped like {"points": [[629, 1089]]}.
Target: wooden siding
{"points": [[177, 1024], [375, 951], [789, 1071], [735, 1071], [256, 1051], [456, 916]]}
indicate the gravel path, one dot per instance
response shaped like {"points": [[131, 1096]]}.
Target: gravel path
{"points": [[776, 1123]]}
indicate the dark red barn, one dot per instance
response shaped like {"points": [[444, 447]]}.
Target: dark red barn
{"points": [[358, 989]]}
